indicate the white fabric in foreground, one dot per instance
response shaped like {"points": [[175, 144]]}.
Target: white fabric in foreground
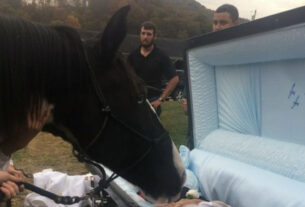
{"points": [[242, 185], [60, 184]]}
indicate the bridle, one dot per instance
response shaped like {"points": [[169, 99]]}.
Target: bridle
{"points": [[81, 153], [105, 109], [107, 112]]}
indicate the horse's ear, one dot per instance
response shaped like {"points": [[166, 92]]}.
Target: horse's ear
{"points": [[114, 34]]}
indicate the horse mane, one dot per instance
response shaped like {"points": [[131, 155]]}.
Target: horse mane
{"points": [[36, 62]]}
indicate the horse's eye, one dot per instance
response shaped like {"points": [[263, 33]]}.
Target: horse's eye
{"points": [[141, 99]]}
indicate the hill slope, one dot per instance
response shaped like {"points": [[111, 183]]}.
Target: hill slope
{"points": [[174, 18]]}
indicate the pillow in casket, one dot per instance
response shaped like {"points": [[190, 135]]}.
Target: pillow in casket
{"points": [[238, 169]]}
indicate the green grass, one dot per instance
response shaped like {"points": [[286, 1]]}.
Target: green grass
{"points": [[175, 121]]}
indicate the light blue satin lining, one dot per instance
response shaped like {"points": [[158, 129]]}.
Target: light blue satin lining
{"points": [[277, 156], [248, 109], [242, 185], [243, 85], [238, 94]]}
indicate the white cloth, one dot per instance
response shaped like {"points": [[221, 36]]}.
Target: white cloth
{"points": [[60, 184]]}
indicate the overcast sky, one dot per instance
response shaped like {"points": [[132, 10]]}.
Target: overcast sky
{"points": [[263, 7]]}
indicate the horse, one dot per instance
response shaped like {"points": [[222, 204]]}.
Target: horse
{"points": [[97, 99]]}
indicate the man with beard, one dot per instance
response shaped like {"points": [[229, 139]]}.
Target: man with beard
{"points": [[151, 64]]}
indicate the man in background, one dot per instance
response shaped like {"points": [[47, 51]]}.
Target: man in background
{"points": [[152, 64], [225, 16]]}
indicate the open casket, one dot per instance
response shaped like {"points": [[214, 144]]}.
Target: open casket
{"points": [[246, 95], [247, 111]]}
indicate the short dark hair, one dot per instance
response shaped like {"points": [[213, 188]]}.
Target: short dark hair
{"points": [[149, 25], [232, 10]]}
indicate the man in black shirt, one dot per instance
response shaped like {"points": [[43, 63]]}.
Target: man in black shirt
{"points": [[151, 64]]}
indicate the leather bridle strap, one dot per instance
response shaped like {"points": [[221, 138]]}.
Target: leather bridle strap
{"points": [[98, 134], [82, 155], [66, 200]]}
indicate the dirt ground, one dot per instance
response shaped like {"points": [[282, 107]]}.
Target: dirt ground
{"points": [[46, 151]]}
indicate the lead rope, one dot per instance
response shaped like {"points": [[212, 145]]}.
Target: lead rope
{"points": [[66, 200], [69, 200]]}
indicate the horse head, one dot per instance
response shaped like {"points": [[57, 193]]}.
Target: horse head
{"points": [[99, 103]]}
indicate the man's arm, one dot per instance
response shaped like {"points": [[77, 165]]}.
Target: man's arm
{"points": [[184, 100], [171, 85]]}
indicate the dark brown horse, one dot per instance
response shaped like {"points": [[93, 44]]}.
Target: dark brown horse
{"points": [[97, 100]]}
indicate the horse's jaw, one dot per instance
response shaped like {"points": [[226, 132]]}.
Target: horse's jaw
{"points": [[181, 171]]}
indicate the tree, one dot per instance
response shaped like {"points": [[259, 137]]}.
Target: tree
{"points": [[173, 18], [15, 3], [72, 21], [7, 8]]}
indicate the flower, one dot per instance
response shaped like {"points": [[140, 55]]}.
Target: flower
{"points": [[192, 193]]}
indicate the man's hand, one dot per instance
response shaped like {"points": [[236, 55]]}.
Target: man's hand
{"points": [[9, 189], [8, 184], [184, 105], [6, 176], [11, 170], [156, 103]]}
